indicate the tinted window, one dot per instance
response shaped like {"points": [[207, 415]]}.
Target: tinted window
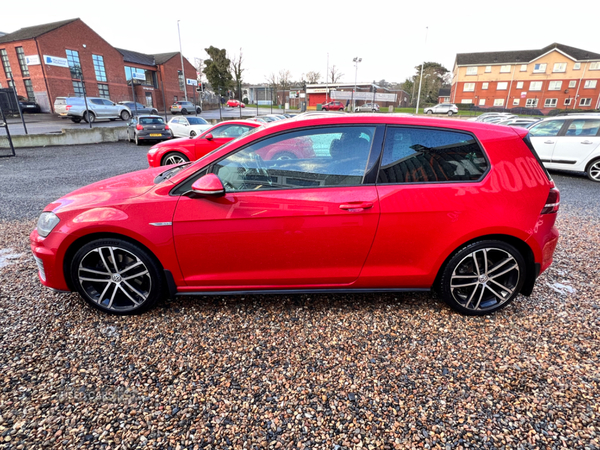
{"points": [[151, 121], [230, 131], [309, 158], [549, 128], [583, 127], [96, 101], [197, 121], [418, 155]]}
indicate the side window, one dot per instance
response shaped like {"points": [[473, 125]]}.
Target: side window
{"points": [[107, 102], [221, 131], [418, 155], [549, 128], [96, 101], [583, 127], [335, 156]]}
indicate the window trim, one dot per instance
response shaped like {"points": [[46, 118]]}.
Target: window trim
{"points": [[586, 84], [468, 90], [588, 103], [470, 69], [561, 65], [559, 88], [551, 100], [502, 86]]}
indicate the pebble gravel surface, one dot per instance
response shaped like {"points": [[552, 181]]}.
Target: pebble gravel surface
{"points": [[378, 371]]}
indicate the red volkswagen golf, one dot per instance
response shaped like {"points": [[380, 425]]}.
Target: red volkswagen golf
{"points": [[380, 203]]}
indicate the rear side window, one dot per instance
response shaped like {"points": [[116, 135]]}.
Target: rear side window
{"points": [[549, 128], [583, 127], [420, 155]]}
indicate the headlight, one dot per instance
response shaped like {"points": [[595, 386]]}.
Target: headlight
{"points": [[46, 223], [153, 150]]}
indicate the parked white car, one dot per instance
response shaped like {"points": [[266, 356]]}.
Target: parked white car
{"points": [[367, 107], [182, 126], [442, 108], [569, 143], [97, 108]]}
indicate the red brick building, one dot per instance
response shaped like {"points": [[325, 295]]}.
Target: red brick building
{"points": [[58, 59]]}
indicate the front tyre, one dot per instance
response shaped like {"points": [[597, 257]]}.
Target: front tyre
{"points": [[89, 117], [174, 158], [483, 277], [593, 170], [125, 115], [116, 276]]}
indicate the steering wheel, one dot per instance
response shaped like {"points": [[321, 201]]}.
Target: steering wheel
{"points": [[261, 168]]}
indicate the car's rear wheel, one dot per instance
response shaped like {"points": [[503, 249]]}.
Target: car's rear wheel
{"points": [[154, 111], [89, 117], [482, 277], [450, 113], [198, 110], [184, 111], [117, 276], [593, 170], [192, 133], [430, 112], [174, 158], [125, 115], [76, 119]]}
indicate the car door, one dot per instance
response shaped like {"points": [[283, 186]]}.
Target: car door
{"points": [[176, 126], [97, 105], [111, 109], [581, 138], [544, 136], [283, 223]]}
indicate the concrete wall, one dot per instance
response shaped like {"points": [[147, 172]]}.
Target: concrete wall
{"points": [[68, 137]]}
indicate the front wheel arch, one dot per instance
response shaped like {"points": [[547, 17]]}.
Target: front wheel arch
{"points": [[595, 162]]}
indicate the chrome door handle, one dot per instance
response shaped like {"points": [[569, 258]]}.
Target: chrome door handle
{"points": [[586, 142], [548, 142]]}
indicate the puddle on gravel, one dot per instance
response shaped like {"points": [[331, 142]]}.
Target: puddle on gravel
{"points": [[7, 255]]}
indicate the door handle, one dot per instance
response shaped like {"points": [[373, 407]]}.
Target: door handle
{"points": [[548, 142], [356, 206], [586, 142]]}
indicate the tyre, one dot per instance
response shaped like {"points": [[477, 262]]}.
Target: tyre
{"points": [[198, 110], [137, 141], [89, 117], [184, 112], [117, 276], [173, 158], [430, 112], [593, 170], [450, 113], [125, 115], [482, 277], [76, 119], [154, 112], [192, 133], [281, 156]]}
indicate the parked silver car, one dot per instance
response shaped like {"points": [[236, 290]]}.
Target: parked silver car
{"points": [[367, 107], [442, 108], [97, 108], [138, 108]]}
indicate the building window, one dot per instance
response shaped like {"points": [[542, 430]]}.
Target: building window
{"points": [[141, 76], [595, 66], [481, 101], [499, 102], [99, 68], [103, 91], [535, 86], [576, 66], [468, 87], [22, 62], [505, 69], [590, 84], [6, 63], [560, 67], [568, 101], [585, 102], [74, 64], [531, 103], [555, 85], [471, 70], [78, 88], [502, 86], [29, 90], [550, 103], [539, 68], [515, 102], [485, 85], [467, 101], [519, 85], [523, 67], [488, 69], [572, 83]]}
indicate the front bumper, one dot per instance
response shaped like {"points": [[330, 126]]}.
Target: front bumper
{"points": [[45, 254]]}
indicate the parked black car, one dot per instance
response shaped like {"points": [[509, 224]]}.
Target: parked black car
{"points": [[148, 128], [141, 109], [28, 106]]}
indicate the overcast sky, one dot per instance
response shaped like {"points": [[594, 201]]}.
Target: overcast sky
{"points": [[391, 37]]}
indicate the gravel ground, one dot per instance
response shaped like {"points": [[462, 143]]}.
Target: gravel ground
{"points": [[305, 371]]}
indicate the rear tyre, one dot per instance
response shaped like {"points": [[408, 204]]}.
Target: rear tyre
{"points": [[89, 117], [125, 115], [430, 112], [593, 170], [192, 133], [450, 113], [117, 276], [155, 112], [198, 110], [483, 277], [173, 158], [184, 112]]}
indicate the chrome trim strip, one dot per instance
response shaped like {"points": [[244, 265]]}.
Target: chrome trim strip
{"points": [[161, 224]]}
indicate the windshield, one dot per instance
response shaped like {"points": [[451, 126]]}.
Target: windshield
{"points": [[197, 121]]}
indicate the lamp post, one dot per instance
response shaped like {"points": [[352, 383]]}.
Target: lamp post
{"points": [[356, 61], [421, 79], [182, 69]]}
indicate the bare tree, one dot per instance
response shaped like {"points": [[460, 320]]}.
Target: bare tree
{"points": [[313, 77], [334, 74], [272, 82], [236, 69]]}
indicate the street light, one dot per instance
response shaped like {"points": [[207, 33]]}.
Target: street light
{"points": [[356, 61], [182, 69]]}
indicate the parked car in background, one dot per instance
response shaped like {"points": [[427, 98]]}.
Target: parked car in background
{"points": [[28, 106], [185, 108], [147, 128], [240, 220], [138, 108], [523, 122], [485, 116], [333, 106], [497, 118], [185, 149], [97, 108], [188, 126], [367, 107], [233, 103], [526, 111], [570, 143], [442, 108]]}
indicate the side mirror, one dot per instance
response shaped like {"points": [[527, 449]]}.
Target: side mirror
{"points": [[209, 184], [209, 137]]}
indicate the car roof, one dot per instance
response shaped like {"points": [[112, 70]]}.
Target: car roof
{"points": [[573, 116]]}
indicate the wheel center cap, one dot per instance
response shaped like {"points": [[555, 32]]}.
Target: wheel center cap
{"points": [[116, 278], [483, 279]]}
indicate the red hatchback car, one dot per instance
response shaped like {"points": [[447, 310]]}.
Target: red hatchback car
{"points": [[381, 203], [233, 103], [333, 106], [186, 149]]}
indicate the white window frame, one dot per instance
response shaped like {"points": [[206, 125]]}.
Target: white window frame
{"points": [[515, 102], [484, 86], [499, 102], [519, 85], [523, 67], [585, 102], [482, 102], [560, 67], [505, 68], [469, 87], [550, 103], [595, 66], [555, 86], [471, 70], [502, 86], [590, 84], [467, 101], [539, 68], [488, 69], [577, 66], [534, 84], [531, 103], [568, 101], [572, 83]]}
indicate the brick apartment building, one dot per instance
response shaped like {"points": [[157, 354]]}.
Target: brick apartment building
{"points": [[556, 76], [58, 59]]}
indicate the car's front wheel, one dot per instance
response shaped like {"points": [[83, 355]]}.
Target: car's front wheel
{"points": [[430, 112], [192, 133], [593, 170], [125, 115], [117, 276], [89, 117], [174, 158], [450, 113], [482, 277], [183, 112]]}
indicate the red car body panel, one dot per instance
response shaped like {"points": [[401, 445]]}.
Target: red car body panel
{"points": [[367, 236], [333, 106]]}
